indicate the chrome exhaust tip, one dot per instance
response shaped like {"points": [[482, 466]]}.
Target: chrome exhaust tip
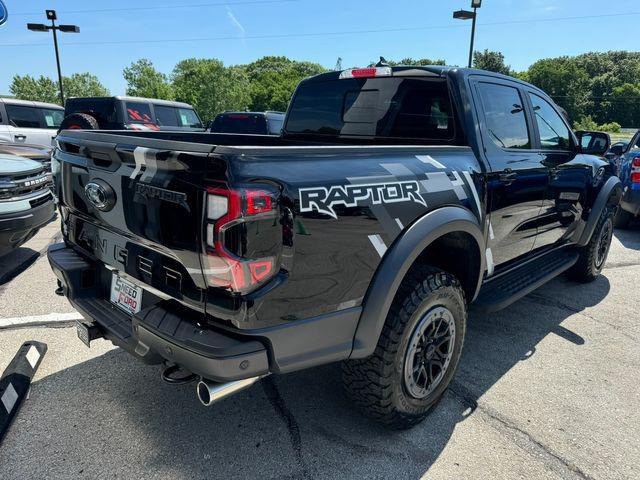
{"points": [[210, 392]]}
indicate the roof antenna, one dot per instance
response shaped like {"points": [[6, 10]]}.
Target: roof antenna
{"points": [[382, 63]]}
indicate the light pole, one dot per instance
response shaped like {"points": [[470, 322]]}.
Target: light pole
{"points": [[466, 15], [40, 27]]}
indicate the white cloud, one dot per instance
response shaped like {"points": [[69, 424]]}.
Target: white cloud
{"points": [[235, 22]]}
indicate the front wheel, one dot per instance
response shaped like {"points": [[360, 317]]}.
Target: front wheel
{"points": [[417, 353], [594, 254]]}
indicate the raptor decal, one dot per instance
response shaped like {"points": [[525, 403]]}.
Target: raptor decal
{"points": [[323, 199]]}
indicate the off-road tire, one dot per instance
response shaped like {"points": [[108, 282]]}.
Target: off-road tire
{"points": [[79, 121], [622, 219], [377, 384], [590, 263]]}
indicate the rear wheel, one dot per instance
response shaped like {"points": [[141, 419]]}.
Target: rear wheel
{"points": [[417, 353], [594, 254], [79, 121]]}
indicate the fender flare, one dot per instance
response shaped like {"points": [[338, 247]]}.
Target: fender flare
{"points": [[397, 261], [612, 187]]}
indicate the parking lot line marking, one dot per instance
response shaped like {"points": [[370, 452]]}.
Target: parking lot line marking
{"points": [[39, 319]]}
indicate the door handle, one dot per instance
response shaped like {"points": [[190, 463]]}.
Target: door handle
{"points": [[20, 137], [508, 176]]}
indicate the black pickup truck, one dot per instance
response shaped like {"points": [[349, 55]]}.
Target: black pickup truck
{"points": [[394, 200]]}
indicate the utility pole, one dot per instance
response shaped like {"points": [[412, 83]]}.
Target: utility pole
{"points": [[466, 15], [40, 27]]}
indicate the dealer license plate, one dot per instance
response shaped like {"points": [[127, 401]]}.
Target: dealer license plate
{"points": [[125, 294]]}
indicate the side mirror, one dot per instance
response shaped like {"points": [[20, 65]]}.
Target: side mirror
{"points": [[617, 150], [593, 143]]}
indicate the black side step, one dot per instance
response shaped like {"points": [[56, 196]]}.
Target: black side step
{"points": [[502, 291]]}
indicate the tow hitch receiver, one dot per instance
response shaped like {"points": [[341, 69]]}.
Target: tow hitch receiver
{"points": [[87, 332]]}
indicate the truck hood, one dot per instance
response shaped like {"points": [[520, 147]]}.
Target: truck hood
{"points": [[12, 164]]}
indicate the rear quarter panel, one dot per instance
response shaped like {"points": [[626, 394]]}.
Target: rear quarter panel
{"points": [[332, 249]]}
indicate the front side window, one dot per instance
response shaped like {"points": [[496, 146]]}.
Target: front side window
{"points": [[189, 118], [52, 117], [138, 112], [504, 115], [554, 133]]}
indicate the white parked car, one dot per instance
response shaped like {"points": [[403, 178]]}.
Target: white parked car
{"points": [[30, 122]]}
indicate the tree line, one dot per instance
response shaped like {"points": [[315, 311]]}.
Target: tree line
{"points": [[594, 88]]}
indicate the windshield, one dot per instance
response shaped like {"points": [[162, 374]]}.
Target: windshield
{"points": [[412, 108], [250, 123]]}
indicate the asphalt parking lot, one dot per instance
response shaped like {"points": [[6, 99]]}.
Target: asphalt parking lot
{"points": [[548, 388]]}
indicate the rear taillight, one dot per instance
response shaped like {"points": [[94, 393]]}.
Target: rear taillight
{"points": [[228, 211], [635, 170], [366, 72]]}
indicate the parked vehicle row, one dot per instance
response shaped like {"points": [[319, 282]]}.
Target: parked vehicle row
{"points": [[394, 199], [628, 169]]}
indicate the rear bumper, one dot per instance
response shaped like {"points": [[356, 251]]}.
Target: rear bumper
{"points": [[631, 201], [167, 330], [15, 228]]}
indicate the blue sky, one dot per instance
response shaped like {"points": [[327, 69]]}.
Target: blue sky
{"points": [[239, 31]]}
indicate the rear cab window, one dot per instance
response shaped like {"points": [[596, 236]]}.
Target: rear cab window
{"points": [[385, 107], [24, 116]]}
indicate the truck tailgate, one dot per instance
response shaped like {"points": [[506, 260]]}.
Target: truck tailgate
{"points": [[121, 199]]}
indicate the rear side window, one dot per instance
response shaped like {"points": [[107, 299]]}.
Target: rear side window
{"points": [[166, 116], [138, 112], [34, 117], [504, 115], [247, 123], [554, 133], [412, 108], [103, 110]]}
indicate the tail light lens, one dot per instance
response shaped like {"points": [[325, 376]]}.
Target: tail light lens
{"points": [[635, 170], [227, 212]]}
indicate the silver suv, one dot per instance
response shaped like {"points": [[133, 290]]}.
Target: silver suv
{"points": [[25, 121], [26, 202]]}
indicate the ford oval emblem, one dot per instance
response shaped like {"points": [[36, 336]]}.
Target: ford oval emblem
{"points": [[3, 13], [100, 195]]}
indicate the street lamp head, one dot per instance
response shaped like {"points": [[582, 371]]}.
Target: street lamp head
{"points": [[69, 28], [476, 3], [463, 15], [37, 27], [51, 15]]}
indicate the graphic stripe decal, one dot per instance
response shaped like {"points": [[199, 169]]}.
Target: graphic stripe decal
{"points": [[472, 186], [429, 159], [139, 154], [378, 244]]}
